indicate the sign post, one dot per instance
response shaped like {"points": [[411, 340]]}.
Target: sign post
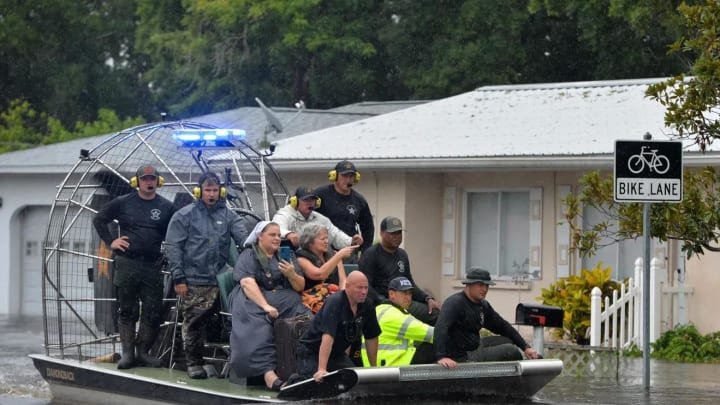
{"points": [[648, 171]]}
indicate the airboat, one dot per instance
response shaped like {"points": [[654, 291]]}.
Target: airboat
{"points": [[81, 343]]}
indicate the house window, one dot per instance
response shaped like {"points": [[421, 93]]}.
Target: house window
{"points": [[79, 246], [503, 232], [620, 256]]}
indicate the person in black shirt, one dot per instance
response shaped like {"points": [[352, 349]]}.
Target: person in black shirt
{"points": [[347, 208], [143, 218], [342, 321], [457, 331], [385, 261]]}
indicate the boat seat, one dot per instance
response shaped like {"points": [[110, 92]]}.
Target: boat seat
{"points": [[221, 351]]}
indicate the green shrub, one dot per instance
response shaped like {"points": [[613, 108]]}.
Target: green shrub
{"points": [[684, 343], [572, 294]]}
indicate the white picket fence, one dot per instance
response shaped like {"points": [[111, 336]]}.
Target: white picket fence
{"points": [[620, 324]]}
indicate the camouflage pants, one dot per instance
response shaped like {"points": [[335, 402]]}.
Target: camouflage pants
{"points": [[200, 303], [138, 281]]}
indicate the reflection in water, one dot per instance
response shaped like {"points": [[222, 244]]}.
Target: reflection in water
{"points": [[671, 383]]}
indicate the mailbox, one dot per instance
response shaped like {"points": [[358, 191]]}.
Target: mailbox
{"points": [[539, 315]]}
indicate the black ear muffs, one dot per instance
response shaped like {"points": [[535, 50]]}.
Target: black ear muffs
{"points": [[135, 184], [333, 175], [294, 202], [197, 192]]}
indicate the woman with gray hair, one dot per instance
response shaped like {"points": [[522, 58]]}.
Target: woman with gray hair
{"points": [[322, 267]]}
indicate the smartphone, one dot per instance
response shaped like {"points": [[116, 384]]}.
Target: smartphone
{"points": [[286, 253]]}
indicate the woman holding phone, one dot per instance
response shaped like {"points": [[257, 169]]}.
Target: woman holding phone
{"points": [[322, 266], [269, 289]]}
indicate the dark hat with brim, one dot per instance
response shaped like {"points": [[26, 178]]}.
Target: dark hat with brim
{"points": [[400, 284], [478, 276], [305, 193], [144, 171], [345, 167]]}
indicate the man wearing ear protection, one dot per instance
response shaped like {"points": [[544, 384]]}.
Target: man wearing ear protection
{"points": [[143, 218], [197, 247], [300, 212], [347, 208]]}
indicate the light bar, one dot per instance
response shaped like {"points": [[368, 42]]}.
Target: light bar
{"points": [[208, 138]]}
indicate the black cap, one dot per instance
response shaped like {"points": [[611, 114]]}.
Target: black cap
{"points": [[144, 171], [305, 193], [476, 275], [390, 224], [345, 167], [400, 284]]}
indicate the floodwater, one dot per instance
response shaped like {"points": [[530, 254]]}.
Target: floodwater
{"points": [[670, 383]]}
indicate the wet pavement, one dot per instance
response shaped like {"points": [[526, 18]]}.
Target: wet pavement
{"points": [[671, 383]]}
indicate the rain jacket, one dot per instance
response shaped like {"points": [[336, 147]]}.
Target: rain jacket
{"points": [[400, 332], [197, 244]]}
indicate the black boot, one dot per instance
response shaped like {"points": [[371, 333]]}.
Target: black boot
{"points": [[143, 359], [127, 337]]}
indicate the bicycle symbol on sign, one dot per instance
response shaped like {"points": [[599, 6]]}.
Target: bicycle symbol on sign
{"points": [[659, 164]]}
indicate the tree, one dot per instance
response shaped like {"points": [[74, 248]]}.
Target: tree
{"points": [[70, 58], [691, 108]]}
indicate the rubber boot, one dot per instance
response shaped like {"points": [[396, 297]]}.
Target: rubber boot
{"points": [[143, 359], [127, 337]]}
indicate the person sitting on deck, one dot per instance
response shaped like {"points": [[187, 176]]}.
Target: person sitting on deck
{"points": [[457, 331], [342, 321], [322, 267], [404, 339], [268, 289]]}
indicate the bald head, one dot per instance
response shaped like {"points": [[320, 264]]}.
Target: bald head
{"points": [[356, 287]]}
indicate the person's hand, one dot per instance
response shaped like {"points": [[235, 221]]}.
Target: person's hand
{"points": [[181, 289], [318, 376], [357, 239], [531, 353], [432, 305], [294, 239], [347, 251], [286, 268], [271, 311], [447, 362], [120, 243]]}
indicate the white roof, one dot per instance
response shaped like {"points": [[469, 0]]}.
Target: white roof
{"points": [[494, 126]]}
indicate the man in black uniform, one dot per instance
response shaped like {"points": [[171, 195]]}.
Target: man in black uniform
{"points": [[341, 322], [143, 218], [386, 260], [346, 208], [457, 331]]}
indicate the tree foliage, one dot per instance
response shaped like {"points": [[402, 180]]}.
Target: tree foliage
{"points": [[72, 59], [695, 221], [692, 103], [691, 108]]}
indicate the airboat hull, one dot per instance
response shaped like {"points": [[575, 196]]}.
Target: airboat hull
{"points": [[92, 383]]}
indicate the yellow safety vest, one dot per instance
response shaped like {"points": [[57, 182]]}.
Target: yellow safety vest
{"points": [[400, 331]]}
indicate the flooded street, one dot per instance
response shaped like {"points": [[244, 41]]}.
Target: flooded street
{"points": [[671, 383]]}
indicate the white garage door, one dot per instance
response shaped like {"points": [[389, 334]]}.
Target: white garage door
{"points": [[33, 223]]}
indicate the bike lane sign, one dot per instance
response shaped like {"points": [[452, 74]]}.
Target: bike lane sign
{"points": [[648, 171]]}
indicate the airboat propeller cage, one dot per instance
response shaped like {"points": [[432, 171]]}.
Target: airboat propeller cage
{"points": [[78, 301]]}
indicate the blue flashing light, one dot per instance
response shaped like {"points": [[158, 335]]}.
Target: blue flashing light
{"points": [[208, 138]]}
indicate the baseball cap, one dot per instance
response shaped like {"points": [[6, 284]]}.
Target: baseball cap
{"points": [[400, 284], [476, 275], [145, 171], [391, 224], [345, 167], [305, 193]]}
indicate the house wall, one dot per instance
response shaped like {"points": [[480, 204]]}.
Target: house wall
{"points": [[18, 192], [703, 275]]}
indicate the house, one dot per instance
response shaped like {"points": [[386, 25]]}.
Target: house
{"points": [[477, 179]]}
